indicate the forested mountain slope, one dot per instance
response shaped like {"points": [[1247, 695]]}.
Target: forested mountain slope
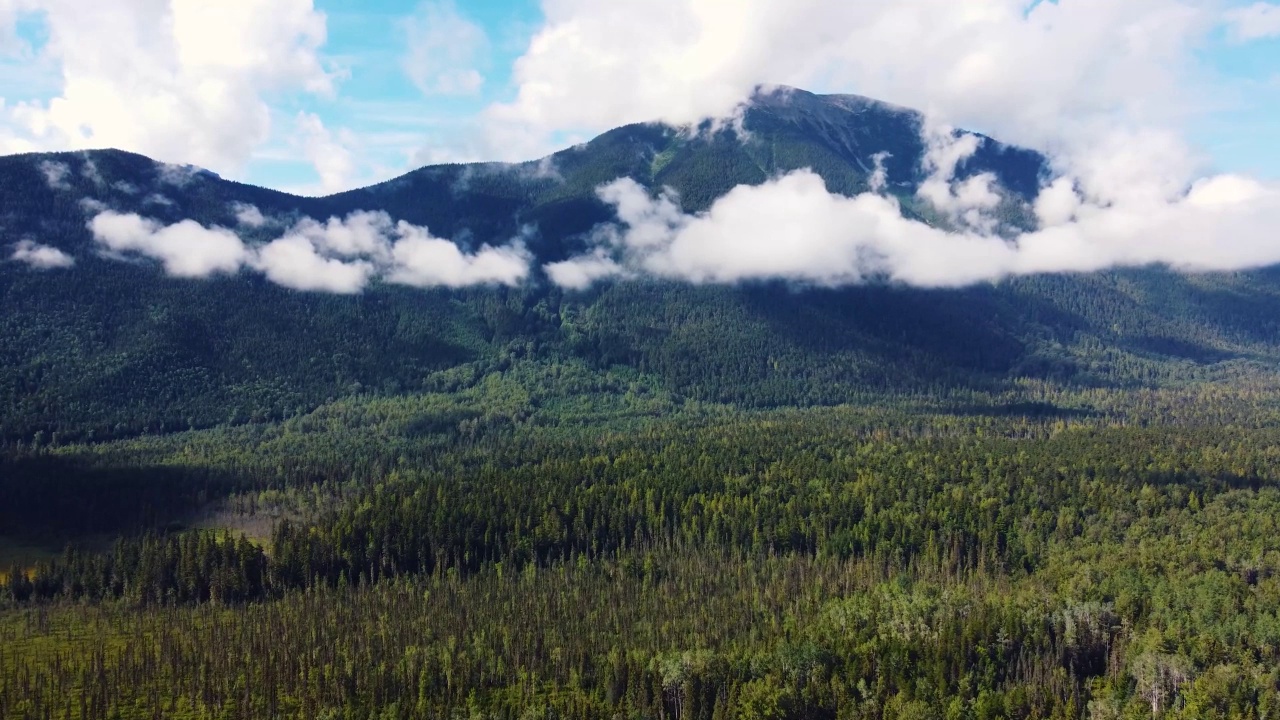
{"points": [[1054, 496], [112, 348]]}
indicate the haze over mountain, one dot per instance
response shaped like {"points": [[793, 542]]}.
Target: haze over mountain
{"points": [[766, 259]]}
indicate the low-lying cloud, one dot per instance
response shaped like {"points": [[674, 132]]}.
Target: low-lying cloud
{"points": [[792, 228], [55, 174], [340, 255], [41, 257], [248, 215], [186, 249]]}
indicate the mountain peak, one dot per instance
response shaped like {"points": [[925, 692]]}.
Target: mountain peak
{"points": [[786, 96]]}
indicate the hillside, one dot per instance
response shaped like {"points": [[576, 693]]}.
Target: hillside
{"points": [[113, 349], [1053, 496]]}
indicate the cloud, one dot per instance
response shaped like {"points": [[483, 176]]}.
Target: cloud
{"points": [[92, 206], [248, 215], [89, 171], [177, 175], [327, 152], [41, 257], [444, 49], [966, 203], [179, 80], [791, 228], [339, 255], [55, 174], [425, 261], [580, 273], [10, 42], [293, 262], [1043, 74], [1258, 21], [360, 234], [186, 249]]}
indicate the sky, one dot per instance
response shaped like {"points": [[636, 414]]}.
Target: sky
{"points": [[1158, 118], [317, 96]]}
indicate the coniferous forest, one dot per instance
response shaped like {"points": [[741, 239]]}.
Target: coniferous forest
{"points": [[924, 557], [1048, 497]]}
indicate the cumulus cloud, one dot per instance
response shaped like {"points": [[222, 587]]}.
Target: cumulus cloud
{"points": [[444, 49], [792, 228], [965, 203], [180, 80], [580, 273], [186, 249], [1255, 22], [327, 151], [340, 255], [1105, 89], [360, 234], [293, 262], [1038, 74], [425, 261], [41, 257]]}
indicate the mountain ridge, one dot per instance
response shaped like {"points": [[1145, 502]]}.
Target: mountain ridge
{"points": [[115, 349], [802, 130]]}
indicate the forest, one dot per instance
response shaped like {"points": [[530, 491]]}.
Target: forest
{"points": [[1091, 554], [1051, 496]]}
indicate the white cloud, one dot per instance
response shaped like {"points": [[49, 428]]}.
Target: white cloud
{"points": [[1058, 203], [792, 228], [248, 215], [579, 273], [1258, 21], [41, 257], [293, 262], [1043, 74], [443, 50], [330, 154], [90, 172], [92, 206], [180, 80], [425, 261], [177, 175], [55, 174], [186, 249], [966, 203], [340, 255], [360, 234]]}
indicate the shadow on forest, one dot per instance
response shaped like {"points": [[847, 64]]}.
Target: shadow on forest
{"points": [[1032, 410], [984, 329], [57, 497], [1181, 349]]}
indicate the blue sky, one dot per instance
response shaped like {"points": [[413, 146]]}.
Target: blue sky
{"points": [[367, 42], [319, 95], [1245, 136]]}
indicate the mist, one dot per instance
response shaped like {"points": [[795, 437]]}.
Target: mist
{"points": [[1120, 208], [339, 255]]}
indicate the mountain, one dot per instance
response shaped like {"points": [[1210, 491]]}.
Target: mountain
{"points": [[114, 348], [1053, 496]]}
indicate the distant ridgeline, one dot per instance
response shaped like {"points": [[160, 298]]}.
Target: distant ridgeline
{"points": [[116, 347]]}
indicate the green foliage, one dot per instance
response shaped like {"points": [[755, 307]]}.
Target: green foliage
{"points": [[838, 562], [1051, 497]]}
